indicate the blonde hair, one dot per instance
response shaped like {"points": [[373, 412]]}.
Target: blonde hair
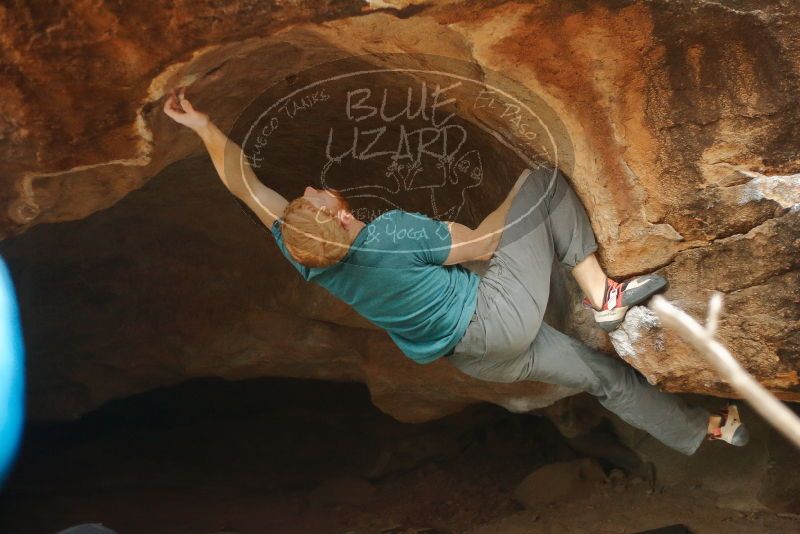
{"points": [[313, 236]]}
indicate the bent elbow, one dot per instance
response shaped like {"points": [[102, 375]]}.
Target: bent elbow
{"points": [[489, 245]]}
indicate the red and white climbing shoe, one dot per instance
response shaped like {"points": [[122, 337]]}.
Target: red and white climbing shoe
{"points": [[731, 429], [618, 297]]}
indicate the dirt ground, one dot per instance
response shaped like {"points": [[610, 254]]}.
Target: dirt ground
{"points": [[634, 510], [282, 456]]}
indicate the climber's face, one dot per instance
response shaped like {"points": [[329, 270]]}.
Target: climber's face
{"points": [[328, 199]]}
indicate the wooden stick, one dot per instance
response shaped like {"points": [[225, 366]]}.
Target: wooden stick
{"points": [[702, 339]]}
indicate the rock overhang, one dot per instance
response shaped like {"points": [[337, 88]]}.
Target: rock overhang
{"points": [[681, 150]]}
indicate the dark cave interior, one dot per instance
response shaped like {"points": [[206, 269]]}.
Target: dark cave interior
{"points": [[287, 455]]}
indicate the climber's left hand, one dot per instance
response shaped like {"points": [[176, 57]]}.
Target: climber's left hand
{"points": [[178, 107]]}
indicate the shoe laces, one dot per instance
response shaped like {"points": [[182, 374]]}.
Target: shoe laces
{"points": [[612, 296]]}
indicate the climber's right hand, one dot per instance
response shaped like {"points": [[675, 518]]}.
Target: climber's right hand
{"points": [[181, 111]]}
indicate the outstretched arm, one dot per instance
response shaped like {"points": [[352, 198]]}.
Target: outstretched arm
{"points": [[226, 155], [479, 244]]}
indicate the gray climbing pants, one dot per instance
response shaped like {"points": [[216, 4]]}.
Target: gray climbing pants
{"points": [[507, 341]]}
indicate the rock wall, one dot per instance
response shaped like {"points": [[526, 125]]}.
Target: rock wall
{"points": [[676, 121]]}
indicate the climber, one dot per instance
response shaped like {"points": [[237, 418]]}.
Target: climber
{"points": [[401, 272]]}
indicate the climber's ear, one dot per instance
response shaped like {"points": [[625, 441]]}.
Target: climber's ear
{"points": [[346, 218]]}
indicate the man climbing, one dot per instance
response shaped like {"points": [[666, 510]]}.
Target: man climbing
{"points": [[401, 272]]}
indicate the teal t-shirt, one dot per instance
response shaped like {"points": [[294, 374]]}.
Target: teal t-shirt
{"points": [[393, 276]]}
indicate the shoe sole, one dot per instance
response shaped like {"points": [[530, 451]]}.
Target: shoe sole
{"points": [[609, 320], [740, 436], [656, 284]]}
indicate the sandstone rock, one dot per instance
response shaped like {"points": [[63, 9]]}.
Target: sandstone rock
{"points": [[676, 124], [561, 481]]}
